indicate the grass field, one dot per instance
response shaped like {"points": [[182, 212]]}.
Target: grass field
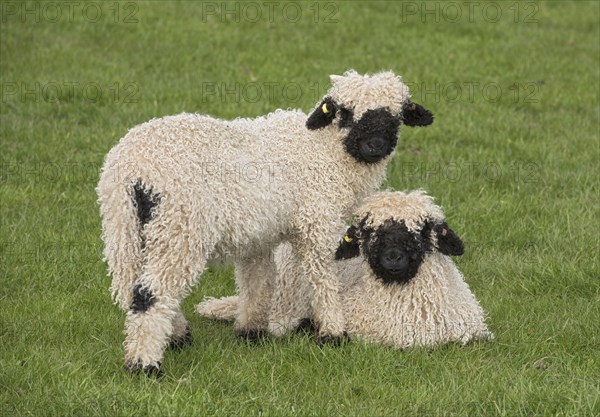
{"points": [[513, 157]]}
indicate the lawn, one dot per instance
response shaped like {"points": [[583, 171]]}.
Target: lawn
{"points": [[513, 157]]}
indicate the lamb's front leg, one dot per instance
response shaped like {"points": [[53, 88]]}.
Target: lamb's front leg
{"points": [[316, 252], [292, 295], [254, 279]]}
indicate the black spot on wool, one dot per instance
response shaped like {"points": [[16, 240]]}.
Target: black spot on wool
{"points": [[145, 201], [143, 299], [373, 137]]}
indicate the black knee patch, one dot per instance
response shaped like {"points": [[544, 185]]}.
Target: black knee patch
{"points": [[145, 202], [142, 299]]}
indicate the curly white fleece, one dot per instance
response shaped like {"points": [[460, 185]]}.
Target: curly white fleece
{"points": [[435, 307], [228, 188]]}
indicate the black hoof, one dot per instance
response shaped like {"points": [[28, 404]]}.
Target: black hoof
{"points": [[307, 326], [150, 370], [329, 340], [178, 343], [253, 335]]}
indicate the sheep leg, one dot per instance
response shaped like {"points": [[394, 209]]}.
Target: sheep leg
{"points": [[224, 308], [172, 267], [148, 327], [317, 256], [253, 278], [154, 321], [290, 302]]}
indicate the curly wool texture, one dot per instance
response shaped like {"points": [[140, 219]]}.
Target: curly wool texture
{"points": [[231, 191], [434, 308], [250, 178], [413, 209], [357, 92]]}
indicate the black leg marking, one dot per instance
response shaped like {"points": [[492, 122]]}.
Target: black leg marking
{"points": [[307, 326], [145, 202], [150, 370], [132, 368], [153, 371], [252, 335], [333, 340], [178, 343], [142, 299]]}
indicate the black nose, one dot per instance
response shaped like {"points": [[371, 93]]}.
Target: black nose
{"points": [[394, 259], [394, 255], [376, 143]]}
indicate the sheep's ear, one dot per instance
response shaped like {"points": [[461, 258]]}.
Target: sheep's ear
{"points": [[448, 242], [414, 114], [335, 78], [348, 247], [323, 115]]}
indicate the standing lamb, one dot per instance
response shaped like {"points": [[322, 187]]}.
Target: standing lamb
{"points": [[398, 285], [181, 191]]}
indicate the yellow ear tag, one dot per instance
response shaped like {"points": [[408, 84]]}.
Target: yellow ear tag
{"points": [[348, 239], [324, 108]]}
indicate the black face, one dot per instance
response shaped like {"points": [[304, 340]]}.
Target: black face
{"points": [[373, 137], [394, 253]]}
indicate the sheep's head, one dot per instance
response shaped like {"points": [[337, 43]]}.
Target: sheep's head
{"points": [[394, 232], [370, 111]]}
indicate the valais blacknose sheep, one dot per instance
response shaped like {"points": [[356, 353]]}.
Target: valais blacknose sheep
{"points": [[181, 191], [398, 285]]}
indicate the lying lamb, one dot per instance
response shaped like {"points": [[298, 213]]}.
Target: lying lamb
{"points": [[398, 284], [181, 191]]}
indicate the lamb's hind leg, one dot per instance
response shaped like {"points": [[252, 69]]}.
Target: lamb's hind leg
{"points": [[148, 327], [154, 321], [155, 316], [254, 278]]}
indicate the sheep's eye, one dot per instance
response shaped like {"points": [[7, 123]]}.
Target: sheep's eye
{"points": [[346, 117]]}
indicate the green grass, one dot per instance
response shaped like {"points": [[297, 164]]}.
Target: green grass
{"points": [[517, 175]]}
